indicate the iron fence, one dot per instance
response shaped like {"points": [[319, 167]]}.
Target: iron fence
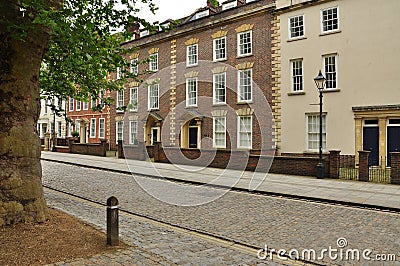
{"points": [[377, 173]]}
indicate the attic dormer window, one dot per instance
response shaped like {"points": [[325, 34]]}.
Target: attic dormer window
{"points": [[202, 14], [144, 33], [229, 5]]}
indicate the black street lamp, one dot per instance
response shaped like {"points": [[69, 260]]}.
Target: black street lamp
{"points": [[54, 109], [320, 83]]}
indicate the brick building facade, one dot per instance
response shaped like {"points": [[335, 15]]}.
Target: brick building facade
{"points": [[92, 126], [207, 84]]}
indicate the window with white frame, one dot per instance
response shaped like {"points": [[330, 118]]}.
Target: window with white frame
{"points": [[191, 55], [201, 14], [296, 26], [245, 132], [71, 104], [244, 43], [85, 105], [119, 72], [94, 102], [330, 71], [78, 105], [70, 129], [219, 84], [153, 96], [102, 128], [330, 19], [133, 99], [78, 126], [133, 133], [229, 5], [119, 130], [219, 49], [313, 132], [245, 85], [102, 97], [219, 125], [120, 101], [59, 125], [92, 127], [297, 75], [134, 66], [191, 91], [153, 63]]}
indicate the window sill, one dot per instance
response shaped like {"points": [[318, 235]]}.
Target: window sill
{"points": [[153, 109], [120, 111], [188, 66], [296, 93], [329, 32], [190, 106], [297, 39], [219, 104], [244, 148], [244, 55], [330, 90], [219, 60], [244, 102], [133, 111]]}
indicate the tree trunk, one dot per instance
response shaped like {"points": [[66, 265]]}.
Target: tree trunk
{"points": [[21, 191]]}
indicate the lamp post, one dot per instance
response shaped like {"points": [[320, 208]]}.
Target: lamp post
{"points": [[53, 137], [320, 83], [53, 149]]}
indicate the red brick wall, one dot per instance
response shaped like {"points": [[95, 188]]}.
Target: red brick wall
{"points": [[261, 57]]}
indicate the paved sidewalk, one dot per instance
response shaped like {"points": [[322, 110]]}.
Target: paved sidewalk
{"points": [[340, 191], [152, 243]]}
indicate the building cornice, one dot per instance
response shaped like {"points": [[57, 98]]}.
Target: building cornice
{"points": [[302, 5], [186, 29]]}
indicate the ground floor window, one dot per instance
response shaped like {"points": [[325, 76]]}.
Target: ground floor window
{"points": [[219, 126], [101, 128], [92, 127], [133, 133], [119, 130], [313, 132], [245, 132], [59, 127]]}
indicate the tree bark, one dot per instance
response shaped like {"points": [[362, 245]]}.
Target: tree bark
{"points": [[21, 191]]}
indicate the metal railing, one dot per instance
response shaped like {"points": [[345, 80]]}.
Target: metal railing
{"points": [[377, 174]]}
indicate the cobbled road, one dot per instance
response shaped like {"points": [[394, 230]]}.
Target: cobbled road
{"points": [[250, 219]]}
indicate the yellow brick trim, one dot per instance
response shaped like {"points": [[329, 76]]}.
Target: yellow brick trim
{"points": [[134, 56], [192, 41], [244, 27], [219, 34], [133, 117], [244, 112], [192, 74], [134, 84], [218, 70], [219, 113], [154, 50], [246, 65]]}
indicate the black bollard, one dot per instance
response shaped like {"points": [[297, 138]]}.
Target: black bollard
{"points": [[112, 222]]}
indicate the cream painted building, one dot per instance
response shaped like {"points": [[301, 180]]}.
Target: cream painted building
{"points": [[356, 45], [46, 120]]}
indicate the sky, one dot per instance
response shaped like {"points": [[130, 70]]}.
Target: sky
{"points": [[171, 9]]}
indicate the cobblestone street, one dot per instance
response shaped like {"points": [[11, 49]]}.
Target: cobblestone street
{"points": [[249, 219]]}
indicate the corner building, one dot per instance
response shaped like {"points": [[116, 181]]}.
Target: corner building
{"points": [[357, 49], [207, 84]]}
